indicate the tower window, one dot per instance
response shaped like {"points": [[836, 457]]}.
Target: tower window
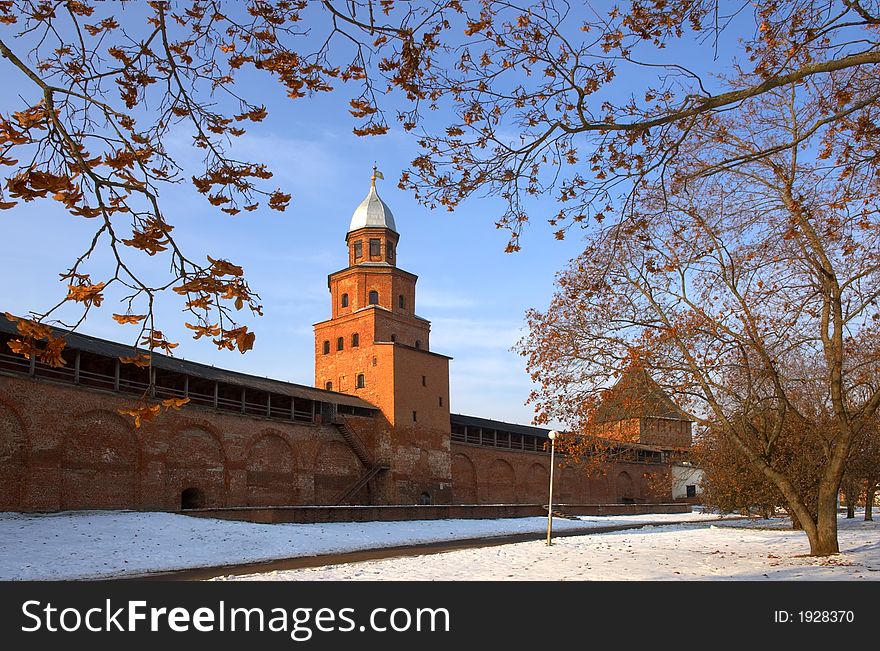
{"points": [[415, 416], [344, 300], [418, 345], [389, 251], [360, 381], [375, 248], [441, 401], [340, 343], [326, 347], [424, 381], [328, 386], [355, 340], [374, 297], [374, 361], [393, 338], [358, 250], [401, 302]]}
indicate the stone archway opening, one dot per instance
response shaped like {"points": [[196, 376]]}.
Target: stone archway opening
{"points": [[425, 499], [625, 488], [192, 498]]}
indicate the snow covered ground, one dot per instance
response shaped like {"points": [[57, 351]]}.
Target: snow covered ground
{"points": [[103, 544], [92, 544], [720, 551]]}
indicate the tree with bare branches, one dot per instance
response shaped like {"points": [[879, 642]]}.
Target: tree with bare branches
{"points": [[594, 106], [748, 291], [862, 478]]}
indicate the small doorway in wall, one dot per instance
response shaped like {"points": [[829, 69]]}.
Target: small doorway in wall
{"points": [[425, 499], [625, 488], [192, 498]]}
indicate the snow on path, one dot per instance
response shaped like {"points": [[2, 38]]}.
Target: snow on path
{"points": [[92, 544], [721, 551]]}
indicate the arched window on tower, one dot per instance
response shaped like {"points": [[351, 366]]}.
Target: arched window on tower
{"points": [[326, 347], [340, 343], [358, 250], [355, 340], [393, 338], [401, 302], [328, 386], [374, 297], [361, 382], [418, 345], [344, 300], [389, 251]]}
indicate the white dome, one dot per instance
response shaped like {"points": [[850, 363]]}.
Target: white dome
{"points": [[372, 213]]}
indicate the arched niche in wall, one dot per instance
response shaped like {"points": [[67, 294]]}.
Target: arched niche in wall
{"points": [[99, 462], [13, 457], [195, 460], [271, 472], [501, 483], [464, 480], [336, 468]]}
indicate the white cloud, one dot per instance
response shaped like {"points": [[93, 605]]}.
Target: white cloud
{"points": [[451, 334], [433, 299], [308, 166]]}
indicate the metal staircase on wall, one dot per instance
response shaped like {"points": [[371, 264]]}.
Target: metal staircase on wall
{"points": [[354, 442], [359, 484], [360, 450]]}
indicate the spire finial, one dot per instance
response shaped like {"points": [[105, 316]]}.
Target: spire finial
{"points": [[376, 175]]}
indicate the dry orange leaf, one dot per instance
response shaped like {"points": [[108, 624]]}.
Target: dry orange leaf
{"points": [[129, 318]]}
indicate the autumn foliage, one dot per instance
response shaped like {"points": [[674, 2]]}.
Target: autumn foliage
{"points": [[748, 291], [673, 181], [731, 485]]}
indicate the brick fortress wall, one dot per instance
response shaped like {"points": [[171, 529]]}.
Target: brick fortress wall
{"points": [[484, 475], [65, 447]]}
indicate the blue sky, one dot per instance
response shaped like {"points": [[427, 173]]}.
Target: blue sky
{"points": [[474, 294]]}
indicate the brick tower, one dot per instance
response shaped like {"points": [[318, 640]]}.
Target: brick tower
{"points": [[374, 346]]}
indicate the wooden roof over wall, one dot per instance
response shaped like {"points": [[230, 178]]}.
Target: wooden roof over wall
{"points": [[105, 348], [636, 395]]}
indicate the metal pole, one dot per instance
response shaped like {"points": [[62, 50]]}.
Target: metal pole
{"points": [[550, 501]]}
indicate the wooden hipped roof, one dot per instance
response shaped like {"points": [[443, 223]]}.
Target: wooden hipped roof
{"points": [[636, 395]]}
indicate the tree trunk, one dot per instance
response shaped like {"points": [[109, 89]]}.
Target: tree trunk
{"points": [[821, 531], [869, 501], [851, 492], [825, 542]]}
